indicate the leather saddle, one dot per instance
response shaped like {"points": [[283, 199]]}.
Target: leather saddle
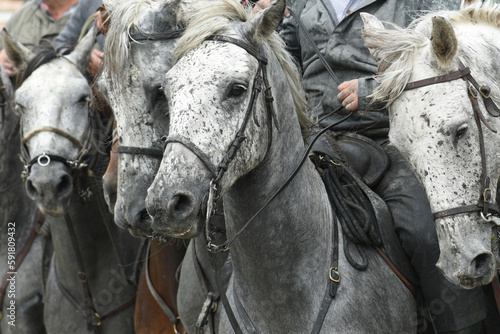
{"points": [[367, 161]]}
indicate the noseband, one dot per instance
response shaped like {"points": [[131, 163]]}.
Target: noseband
{"points": [[44, 159], [484, 205]]}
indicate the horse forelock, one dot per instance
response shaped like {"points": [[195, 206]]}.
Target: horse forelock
{"points": [[396, 65], [127, 17], [211, 17], [43, 56]]}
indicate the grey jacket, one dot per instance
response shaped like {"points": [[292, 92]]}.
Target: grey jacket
{"points": [[33, 26], [69, 35], [343, 48]]}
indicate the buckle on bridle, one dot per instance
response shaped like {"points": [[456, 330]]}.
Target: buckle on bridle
{"points": [[487, 195]]}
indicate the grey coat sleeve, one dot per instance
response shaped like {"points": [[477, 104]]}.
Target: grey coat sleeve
{"points": [[69, 35]]}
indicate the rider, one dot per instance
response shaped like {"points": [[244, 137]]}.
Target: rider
{"points": [[335, 27], [85, 10], [36, 23]]}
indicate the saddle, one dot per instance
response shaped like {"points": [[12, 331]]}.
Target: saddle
{"points": [[366, 162]]}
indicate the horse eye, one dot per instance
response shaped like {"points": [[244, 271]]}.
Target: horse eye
{"points": [[461, 131], [237, 90]]}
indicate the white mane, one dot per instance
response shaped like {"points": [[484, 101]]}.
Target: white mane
{"points": [[125, 16], [397, 63]]}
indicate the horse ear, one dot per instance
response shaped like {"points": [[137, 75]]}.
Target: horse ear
{"points": [[81, 54], [444, 41], [18, 54], [266, 21]]}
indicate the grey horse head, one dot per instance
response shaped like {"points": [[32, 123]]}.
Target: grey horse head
{"points": [[142, 35], [434, 126], [53, 101]]}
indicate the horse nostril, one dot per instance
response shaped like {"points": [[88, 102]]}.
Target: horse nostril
{"points": [[31, 189], [64, 186], [482, 264], [179, 206]]}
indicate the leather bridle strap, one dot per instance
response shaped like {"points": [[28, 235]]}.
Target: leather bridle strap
{"points": [[154, 152], [159, 300], [60, 132], [141, 36], [484, 205], [90, 310], [460, 73]]}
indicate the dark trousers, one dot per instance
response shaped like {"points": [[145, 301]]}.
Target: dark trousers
{"points": [[452, 308]]}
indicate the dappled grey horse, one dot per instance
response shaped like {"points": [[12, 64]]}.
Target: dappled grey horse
{"points": [[21, 247], [227, 140], [92, 278], [142, 35], [446, 126]]}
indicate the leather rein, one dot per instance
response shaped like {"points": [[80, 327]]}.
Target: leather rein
{"points": [[486, 208]]}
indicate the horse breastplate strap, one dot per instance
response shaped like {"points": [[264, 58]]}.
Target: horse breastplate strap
{"points": [[484, 206]]}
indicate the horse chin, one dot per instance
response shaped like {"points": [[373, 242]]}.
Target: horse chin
{"points": [[186, 231], [465, 280], [57, 210]]}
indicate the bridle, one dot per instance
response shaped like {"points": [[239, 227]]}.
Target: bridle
{"points": [[487, 209], [45, 159], [138, 36], [218, 171]]}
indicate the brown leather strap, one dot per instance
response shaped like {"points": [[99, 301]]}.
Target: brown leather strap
{"points": [[462, 72], [120, 308], [397, 272], [64, 134]]}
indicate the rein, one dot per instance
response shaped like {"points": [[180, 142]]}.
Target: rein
{"points": [[486, 208], [159, 300]]}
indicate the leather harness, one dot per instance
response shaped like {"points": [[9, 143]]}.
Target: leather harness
{"points": [[484, 205]]}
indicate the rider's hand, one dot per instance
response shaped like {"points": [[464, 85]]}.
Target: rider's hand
{"points": [[263, 4], [348, 95], [95, 61], [6, 64]]}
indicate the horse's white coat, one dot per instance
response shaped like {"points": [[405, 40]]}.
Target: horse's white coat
{"points": [[434, 129]]}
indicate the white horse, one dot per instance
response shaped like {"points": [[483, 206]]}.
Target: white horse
{"points": [[284, 261], [434, 126]]}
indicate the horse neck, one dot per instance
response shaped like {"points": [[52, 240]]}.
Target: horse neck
{"points": [[15, 205], [288, 242], [94, 245]]}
